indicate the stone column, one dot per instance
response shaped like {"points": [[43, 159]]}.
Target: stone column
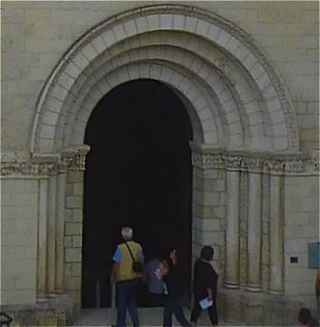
{"points": [[276, 235], [73, 226], [254, 232], [42, 238], [209, 207], [52, 235], [232, 232], [265, 250], [61, 193]]}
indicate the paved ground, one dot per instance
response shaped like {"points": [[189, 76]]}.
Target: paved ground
{"points": [[149, 317]]}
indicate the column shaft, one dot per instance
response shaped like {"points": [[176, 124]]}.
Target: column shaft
{"points": [[232, 232], [61, 187], [276, 235], [42, 238], [254, 232], [52, 235]]}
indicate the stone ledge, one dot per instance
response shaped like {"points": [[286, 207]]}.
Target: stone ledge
{"points": [[257, 309], [56, 311]]}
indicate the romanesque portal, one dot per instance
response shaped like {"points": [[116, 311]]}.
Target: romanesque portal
{"points": [[245, 148]]}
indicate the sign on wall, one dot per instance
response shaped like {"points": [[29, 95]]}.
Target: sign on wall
{"points": [[314, 255]]}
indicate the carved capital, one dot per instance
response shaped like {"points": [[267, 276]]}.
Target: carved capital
{"points": [[284, 164], [233, 162], [274, 166], [252, 164], [28, 168], [74, 158], [46, 164], [294, 166], [207, 160]]}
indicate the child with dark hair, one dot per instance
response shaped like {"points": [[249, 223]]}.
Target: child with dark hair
{"points": [[317, 289], [205, 286], [305, 318]]}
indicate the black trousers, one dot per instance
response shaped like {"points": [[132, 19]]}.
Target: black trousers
{"points": [[156, 300], [212, 311], [173, 307]]}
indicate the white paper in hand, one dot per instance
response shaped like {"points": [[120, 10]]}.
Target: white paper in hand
{"points": [[205, 303]]}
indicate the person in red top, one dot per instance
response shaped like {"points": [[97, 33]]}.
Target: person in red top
{"points": [[305, 318], [318, 291]]}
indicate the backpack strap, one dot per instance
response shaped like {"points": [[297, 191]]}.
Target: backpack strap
{"points": [[131, 255]]}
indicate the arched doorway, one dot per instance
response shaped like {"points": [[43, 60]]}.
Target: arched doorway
{"points": [[138, 173], [245, 141]]}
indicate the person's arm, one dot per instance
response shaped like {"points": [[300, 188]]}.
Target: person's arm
{"points": [[209, 290], [208, 278], [140, 255], [115, 266], [114, 272], [211, 285], [173, 257], [214, 285]]}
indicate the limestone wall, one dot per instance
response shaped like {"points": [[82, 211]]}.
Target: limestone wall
{"points": [[36, 34], [18, 240], [209, 214], [301, 227]]}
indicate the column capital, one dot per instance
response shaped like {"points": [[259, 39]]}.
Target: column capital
{"points": [[46, 164], [208, 157], [207, 160], [74, 158]]}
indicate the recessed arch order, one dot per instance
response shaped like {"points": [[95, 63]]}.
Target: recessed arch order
{"points": [[237, 100]]}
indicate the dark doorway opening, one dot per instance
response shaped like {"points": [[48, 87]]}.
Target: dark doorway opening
{"points": [[138, 173]]}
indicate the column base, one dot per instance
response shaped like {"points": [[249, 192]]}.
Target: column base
{"points": [[42, 299], [52, 295], [60, 311], [275, 292], [58, 292], [253, 288], [231, 285], [241, 307]]}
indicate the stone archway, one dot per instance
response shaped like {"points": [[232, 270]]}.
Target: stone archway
{"points": [[238, 48], [242, 119]]}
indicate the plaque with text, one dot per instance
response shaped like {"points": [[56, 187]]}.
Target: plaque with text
{"points": [[314, 255]]}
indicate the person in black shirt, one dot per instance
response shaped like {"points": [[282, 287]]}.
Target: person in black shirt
{"points": [[175, 288], [205, 285]]}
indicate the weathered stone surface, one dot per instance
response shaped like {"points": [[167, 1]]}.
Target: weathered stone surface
{"points": [[73, 255], [247, 126]]}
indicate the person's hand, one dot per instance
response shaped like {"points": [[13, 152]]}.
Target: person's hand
{"points": [[173, 256], [163, 270]]}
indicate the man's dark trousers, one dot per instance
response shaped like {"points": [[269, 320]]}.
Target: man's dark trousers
{"points": [[126, 300]]}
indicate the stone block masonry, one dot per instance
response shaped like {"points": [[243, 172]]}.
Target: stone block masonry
{"points": [[18, 232], [236, 102], [73, 234]]}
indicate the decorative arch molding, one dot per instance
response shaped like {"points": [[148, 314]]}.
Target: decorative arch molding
{"points": [[203, 124], [213, 28], [230, 114]]}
